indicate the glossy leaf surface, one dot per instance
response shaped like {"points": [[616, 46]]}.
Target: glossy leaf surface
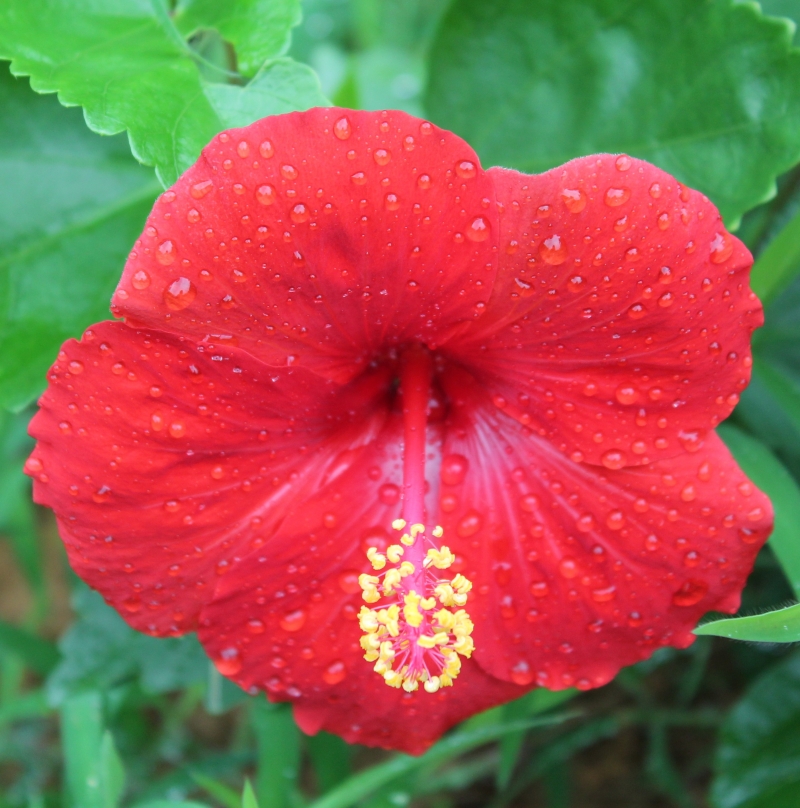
{"points": [[70, 209], [130, 68], [707, 91], [758, 761], [781, 625]]}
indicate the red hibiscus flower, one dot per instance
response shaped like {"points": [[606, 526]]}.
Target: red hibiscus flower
{"points": [[337, 320]]}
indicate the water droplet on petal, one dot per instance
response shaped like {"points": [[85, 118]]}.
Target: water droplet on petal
{"points": [[391, 202], [627, 394], [289, 172], [617, 196], [359, 178], [478, 229], [663, 221], [382, 156], [165, 253], [334, 673], [294, 620], [614, 459], [266, 149], [521, 674], [300, 213], [655, 190], [265, 194], [140, 280], [623, 162], [228, 663], [574, 199], [342, 129], [179, 294], [691, 593], [721, 248], [424, 181], [454, 469], [75, 367], [553, 250], [466, 169], [200, 189]]}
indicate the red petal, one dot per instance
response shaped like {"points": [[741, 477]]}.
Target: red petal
{"points": [[286, 620], [319, 237], [619, 326], [165, 462], [579, 570]]}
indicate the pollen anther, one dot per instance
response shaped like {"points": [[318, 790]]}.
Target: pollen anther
{"points": [[422, 632]]}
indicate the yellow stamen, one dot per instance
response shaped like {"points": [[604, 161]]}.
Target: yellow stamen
{"points": [[399, 524], [378, 560]]}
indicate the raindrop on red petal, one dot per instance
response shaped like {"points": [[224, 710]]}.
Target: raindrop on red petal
{"points": [[335, 673], [521, 673], [469, 525], [574, 199], [617, 196], [424, 181], [348, 581], [289, 172], [200, 189], [553, 250], [300, 213], [466, 169], [389, 494], [342, 129], [359, 178], [165, 253], [265, 194], [179, 294], [140, 280], [690, 593], [454, 469], [382, 156], [391, 202], [293, 621], [623, 162], [266, 149], [228, 663], [721, 248], [626, 394], [614, 459], [478, 229]]}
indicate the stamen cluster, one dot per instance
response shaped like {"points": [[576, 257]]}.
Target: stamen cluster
{"points": [[419, 632]]}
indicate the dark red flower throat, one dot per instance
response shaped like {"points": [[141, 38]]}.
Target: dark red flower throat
{"points": [[564, 345]]}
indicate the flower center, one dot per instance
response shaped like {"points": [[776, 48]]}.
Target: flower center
{"points": [[419, 630]]}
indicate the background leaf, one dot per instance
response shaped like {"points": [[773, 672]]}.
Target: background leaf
{"points": [[707, 91], [781, 625], [758, 761], [258, 29], [766, 471], [130, 68], [100, 650], [71, 208]]}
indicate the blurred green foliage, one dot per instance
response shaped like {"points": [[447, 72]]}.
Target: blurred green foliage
{"points": [[104, 717]]}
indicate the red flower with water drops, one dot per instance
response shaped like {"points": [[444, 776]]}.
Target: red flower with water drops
{"points": [[336, 320]]}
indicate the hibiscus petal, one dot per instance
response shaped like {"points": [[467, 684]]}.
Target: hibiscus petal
{"points": [[166, 461], [619, 326], [579, 570], [286, 619], [319, 238]]}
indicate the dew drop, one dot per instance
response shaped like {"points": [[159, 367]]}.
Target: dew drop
{"points": [[466, 169], [617, 196], [568, 568], [663, 221], [177, 429], [265, 194], [424, 181], [335, 672], [691, 593], [721, 248], [200, 189], [342, 128], [454, 469], [539, 589], [359, 178], [391, 202], [266, 149], [101, 494], [615, 520], [604, 594], [389, 494], [300, 213], [478, 229], [469, 525], [382, 156], [585, 523], [255, 626], [228, 663], [636, 311], [165, 253], [140, 280], [623, 162], [614, 459], [655, 190], [521, 673], [574, 199], [576, 284], [553, 251], [627, 394], [75, 367], [294, 620], [179, 294], [289, 172]]}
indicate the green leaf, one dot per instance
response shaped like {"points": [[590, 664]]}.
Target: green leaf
{"points": [[94, 773], [707, 91], [170, 804], [72, 206], [278, 744], [331, 758], [781, 625], [366, 782], [219, 791], [39, 655], [16, 508], [758, 757], [778, 265], [100, 650], [258, 29], [249, 796], [767, 472], [130, 68], [789, 9]]}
